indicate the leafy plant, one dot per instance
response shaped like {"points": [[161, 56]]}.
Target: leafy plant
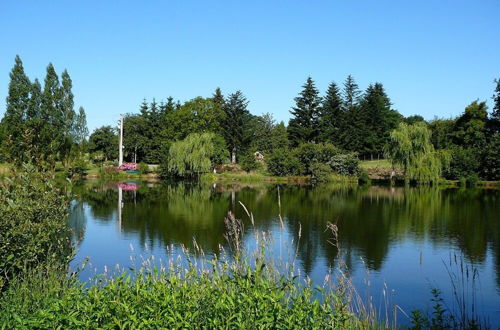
{"points": [[33, 225]]}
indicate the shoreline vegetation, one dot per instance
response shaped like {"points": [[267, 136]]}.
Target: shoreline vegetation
{"points": [[378, 172]]}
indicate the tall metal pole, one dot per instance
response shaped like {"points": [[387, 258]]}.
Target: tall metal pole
{"points": [[120, 151]]}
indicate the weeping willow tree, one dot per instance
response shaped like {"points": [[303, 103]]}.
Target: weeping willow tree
{"points": [[196, 154], [410, 147]]}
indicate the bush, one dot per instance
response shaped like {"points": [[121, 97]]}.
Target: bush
{"points": [[33, 224], [472, 180], [78, 169], [248, 162], [345, 164], [282, 163], [143, 168], [364, 177], [320, 172], [310, 153]]}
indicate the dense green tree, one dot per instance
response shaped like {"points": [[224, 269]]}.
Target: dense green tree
{"points": [[304, 125], [331, 116], [198, 115], [279, 137], [282, 163], [218, 97], [496, 101], [135, 138], [311, 153], [470, 127], [442, 132], [80, 128], [353, 125], [410, 147], [464, 162], [17, 107], [413, 119], [378, 120], [261, 128], [104, 140], [235, 124], [490, 168]]}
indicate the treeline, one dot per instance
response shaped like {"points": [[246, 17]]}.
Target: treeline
{"points": [[333, 129], [149, 134], [40, 125]]}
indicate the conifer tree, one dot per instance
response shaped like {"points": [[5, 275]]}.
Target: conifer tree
{"points": [[378, 119], [331, 116], [496, 101], [218, 97], [352, 125], [303, 127], [235, 123]]}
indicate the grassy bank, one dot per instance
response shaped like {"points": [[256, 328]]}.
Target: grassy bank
{"points": [[223, 295]]}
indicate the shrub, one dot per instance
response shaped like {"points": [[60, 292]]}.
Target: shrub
{"points": [[248, 162], [364, 177], [320, 172], [310, 153], [143, 168], [282, 163], [33, 227], [345, 164], [472, 180], [78, 169]]}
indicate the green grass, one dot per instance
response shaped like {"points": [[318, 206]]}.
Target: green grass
{"points": [[252, 177], [382, 163]]}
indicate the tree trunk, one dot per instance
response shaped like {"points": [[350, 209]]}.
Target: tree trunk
{"points": [[233, 155]]}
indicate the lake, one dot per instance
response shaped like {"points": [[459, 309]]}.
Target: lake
{"points": [[409, 240]]}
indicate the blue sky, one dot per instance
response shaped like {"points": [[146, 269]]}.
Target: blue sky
{"points": [[433, 57]]}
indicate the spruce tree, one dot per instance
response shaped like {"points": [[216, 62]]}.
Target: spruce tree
{"points": [[51, 133], [218, 97], [17, 107], [235, 123], [67, 114], [303, 127], [352, 126], [378, 119], [331, 116], [496, 101]]}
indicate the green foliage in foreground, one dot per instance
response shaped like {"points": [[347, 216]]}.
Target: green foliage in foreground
{"points": [[33, 227], [227, 295]]}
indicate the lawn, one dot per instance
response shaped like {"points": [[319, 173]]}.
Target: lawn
{"points": [[382, 163]]}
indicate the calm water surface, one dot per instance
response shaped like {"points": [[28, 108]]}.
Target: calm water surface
{"points": [[399, 237]]}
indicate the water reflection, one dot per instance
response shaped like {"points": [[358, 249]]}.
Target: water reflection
{"points": [[370, 219]]}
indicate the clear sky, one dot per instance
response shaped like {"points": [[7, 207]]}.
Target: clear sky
{"points": [[433, 57]]}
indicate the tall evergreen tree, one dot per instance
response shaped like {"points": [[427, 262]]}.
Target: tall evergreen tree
{"points": [[378, 119], [303, 127], [496, 101], [235, 125], [17, 108], [218, 97], [331, 116], [352, 126]]}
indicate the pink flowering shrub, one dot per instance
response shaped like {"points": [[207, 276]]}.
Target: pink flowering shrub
{"points": [[127, 167]]}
